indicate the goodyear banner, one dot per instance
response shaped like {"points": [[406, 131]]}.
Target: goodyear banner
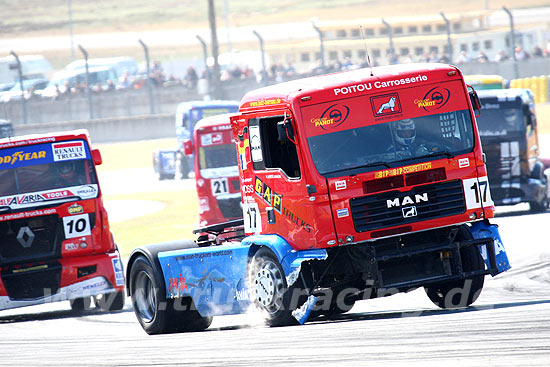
{"points": [[37, 154]]}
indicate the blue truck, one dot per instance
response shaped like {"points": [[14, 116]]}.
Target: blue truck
{"points": [[169, 164]]}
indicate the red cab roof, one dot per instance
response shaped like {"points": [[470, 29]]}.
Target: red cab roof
{"points": [[346, 83]]}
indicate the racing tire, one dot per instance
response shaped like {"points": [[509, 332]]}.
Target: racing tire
{"points": [[165, 176], [460, 293], [540, 206], [80, 304], [155, 313], [182, 166], [269, 290], [110, 301]]}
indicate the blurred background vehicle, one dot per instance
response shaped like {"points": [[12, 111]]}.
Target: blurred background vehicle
{"points": [[30, 87], [66, 81]]}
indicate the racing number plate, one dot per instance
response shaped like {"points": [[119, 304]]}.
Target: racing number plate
{"points": [[76, 226], [477, 192], [219, 186]]}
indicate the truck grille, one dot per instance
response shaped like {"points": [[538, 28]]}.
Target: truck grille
{"points": [[30, 239], [230, 207], [372, 212], [32, 282]]}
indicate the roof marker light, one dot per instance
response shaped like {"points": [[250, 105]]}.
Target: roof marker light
{"points": [[306, 98], [451, 73]]}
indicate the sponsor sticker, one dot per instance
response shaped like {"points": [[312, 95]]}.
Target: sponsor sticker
{"points": [[71, 246], [119, 273], [403, 170], [75, 209], [340, 185], [434, 99], [211, 139], [341, 213], [68, 150], [334, 116], [463, 162], [87, 191], [255, 144]]}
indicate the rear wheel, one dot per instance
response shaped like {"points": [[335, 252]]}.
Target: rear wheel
{"points": [[268, 288], [464, 292], [155, 313]]}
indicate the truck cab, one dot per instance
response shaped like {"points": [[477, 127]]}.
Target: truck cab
{"points": [[54, 229], [216, 172], [509, 134]]}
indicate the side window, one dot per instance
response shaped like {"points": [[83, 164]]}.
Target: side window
{"points": [[267, 151]]}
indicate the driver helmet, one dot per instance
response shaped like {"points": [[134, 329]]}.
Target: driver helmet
{"points": [[66, 170], [404, 131]]}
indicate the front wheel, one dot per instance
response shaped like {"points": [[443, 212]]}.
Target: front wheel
{"points": [[268, 288], [155, 313], [110, 301], [182, 166], [80, 304], [540, 206], [461, 293]]}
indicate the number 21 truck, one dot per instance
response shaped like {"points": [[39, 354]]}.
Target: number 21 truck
{"points": [[354, 185]]}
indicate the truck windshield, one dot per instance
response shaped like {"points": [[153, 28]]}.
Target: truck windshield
{"points": [[216, 158], [500, 119], [449, 133], [43, 169]]}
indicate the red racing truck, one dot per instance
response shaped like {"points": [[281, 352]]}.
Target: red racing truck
{"points": [[54, 232], [216, 172], [354, 185]]}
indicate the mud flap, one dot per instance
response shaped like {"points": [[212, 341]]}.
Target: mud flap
{"points": [[484, 229], [301, 314]]}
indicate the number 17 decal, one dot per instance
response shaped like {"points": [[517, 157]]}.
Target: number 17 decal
{"points": [[477, 192], [252, 218]]}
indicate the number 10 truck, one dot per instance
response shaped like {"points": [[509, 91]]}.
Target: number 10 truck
{"points": [[354, 186], [55, 241]]}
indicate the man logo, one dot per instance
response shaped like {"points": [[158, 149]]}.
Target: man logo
{"points": [[25, 237], [409, 212], [386, 104], [390, 104], [418, 198]]}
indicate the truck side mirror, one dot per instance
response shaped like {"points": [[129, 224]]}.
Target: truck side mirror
{"points": [[187, 147], [474, 99], [285, 131], [96, 156]]}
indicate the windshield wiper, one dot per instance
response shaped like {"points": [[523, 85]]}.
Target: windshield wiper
{"points": [[443, 152], [5, 208], [374, 164]]}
